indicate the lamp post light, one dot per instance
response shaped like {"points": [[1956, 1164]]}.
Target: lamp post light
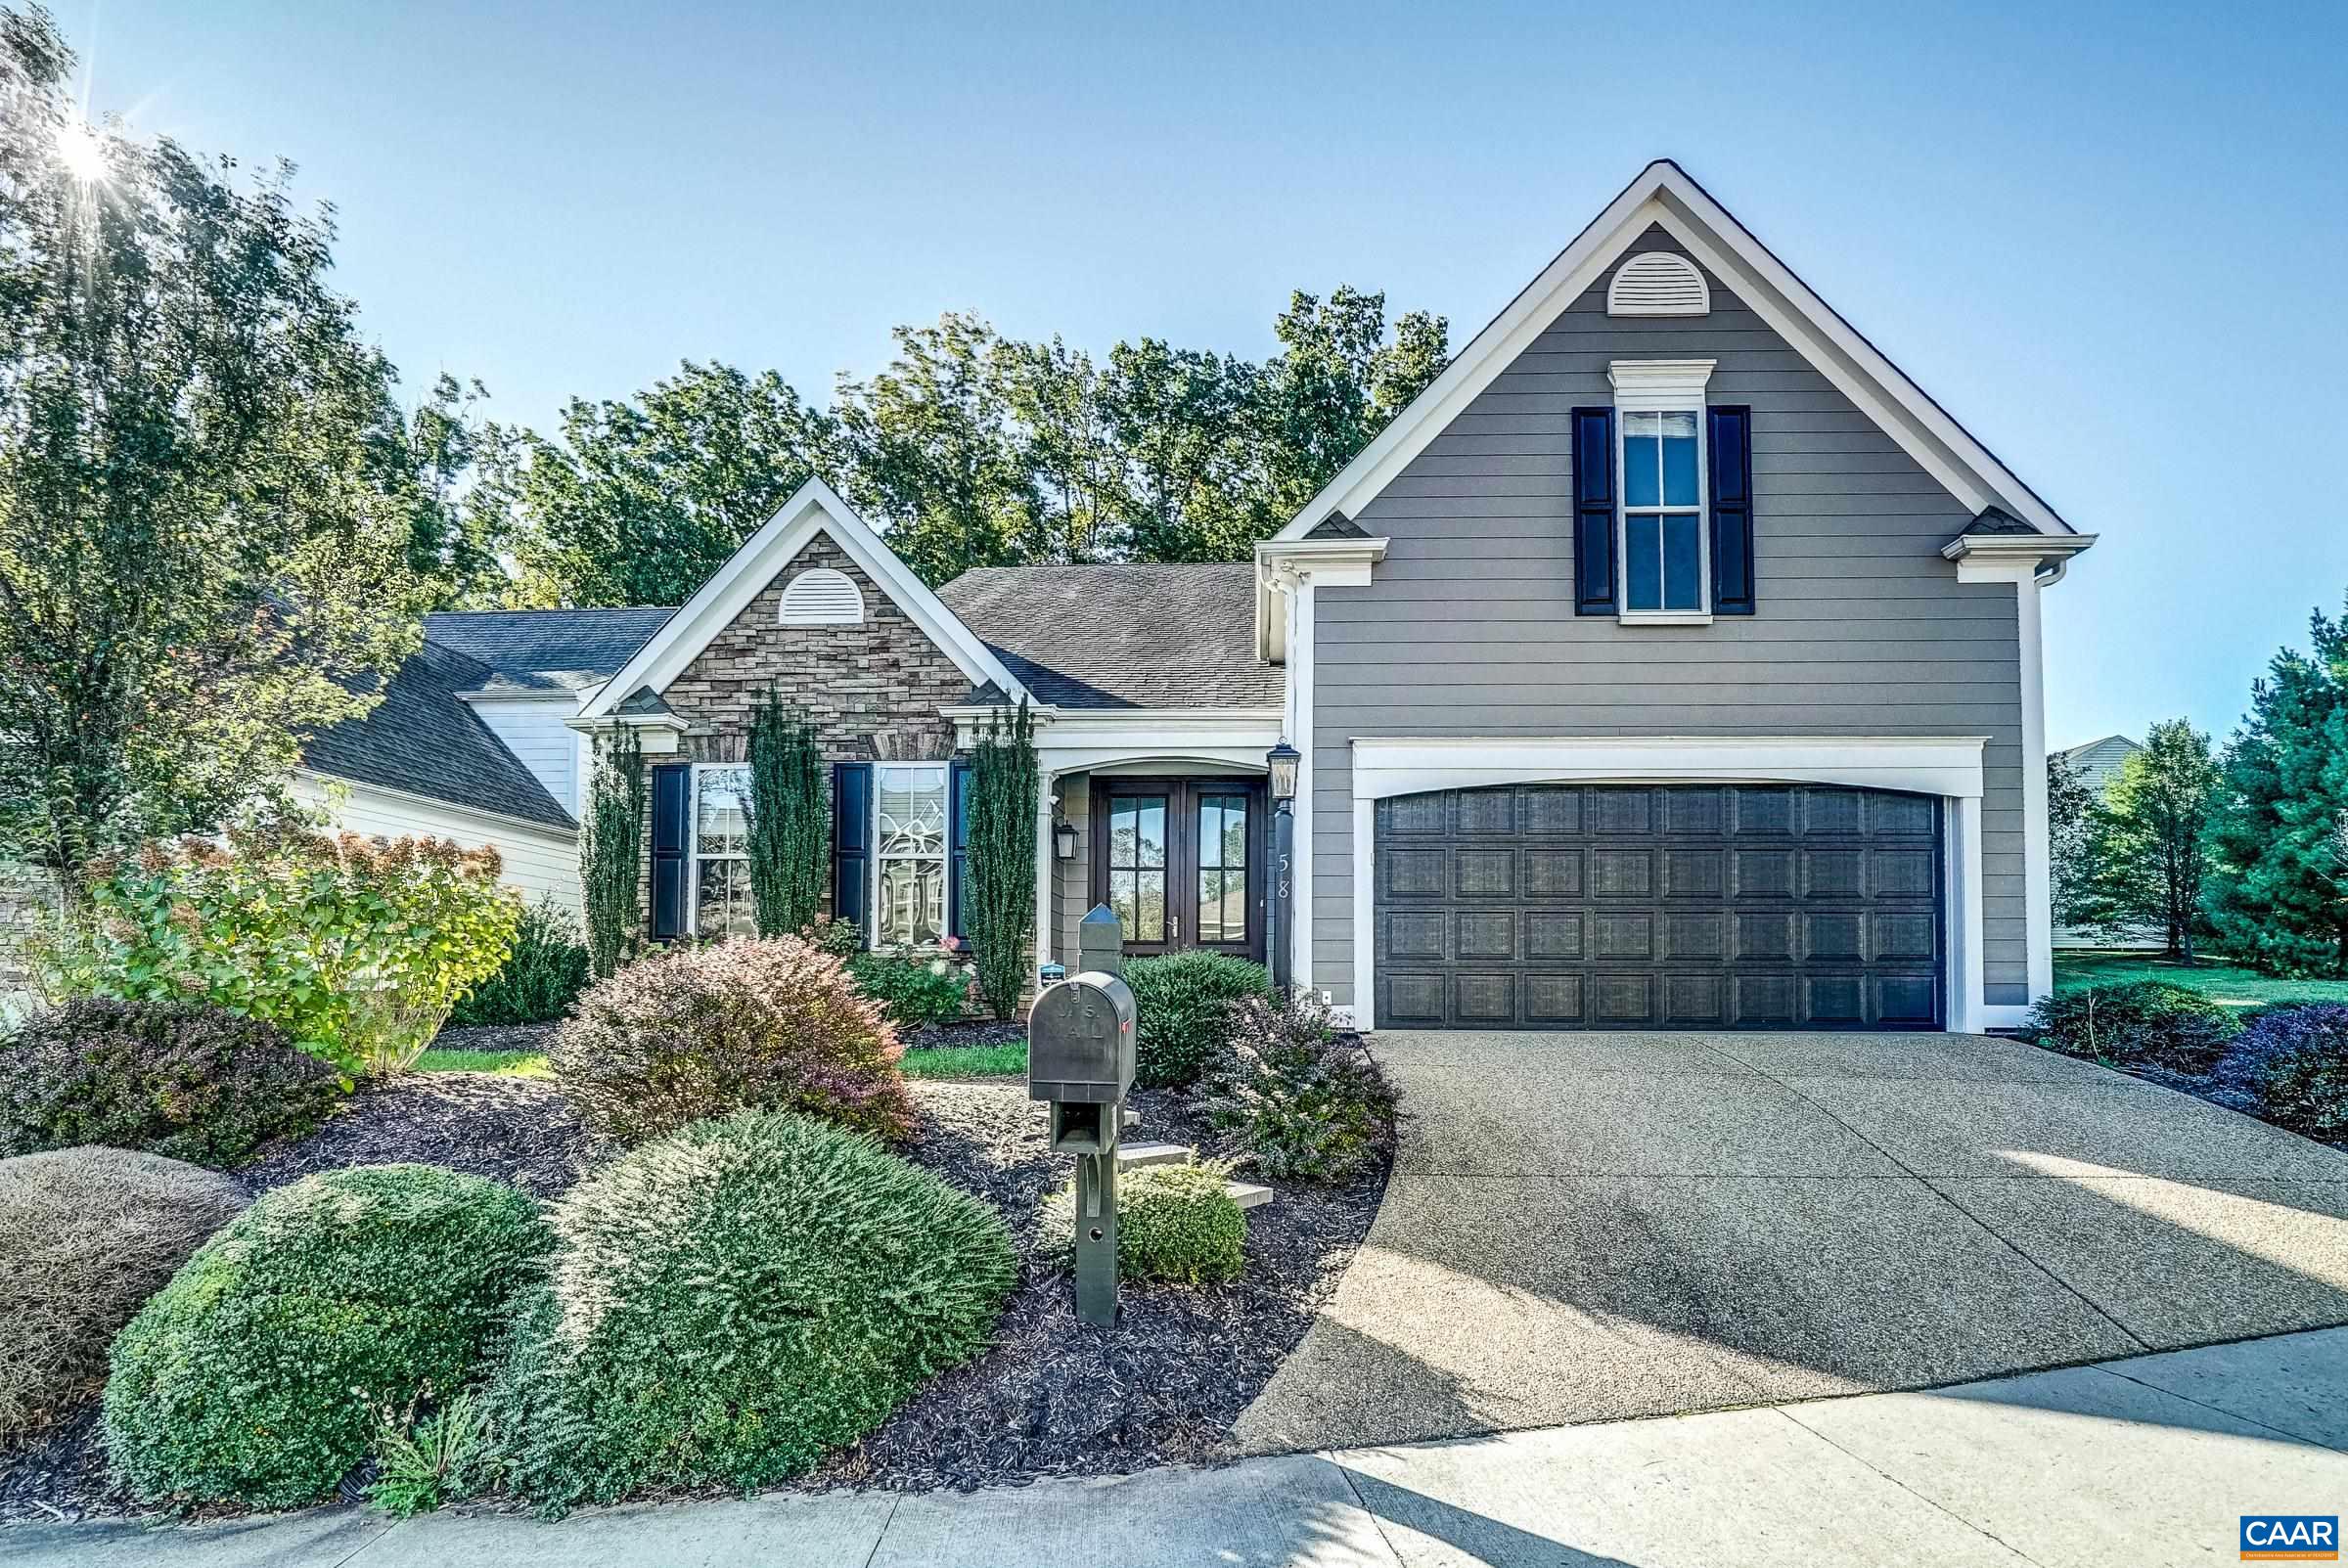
{"points": [[1280, 763]]}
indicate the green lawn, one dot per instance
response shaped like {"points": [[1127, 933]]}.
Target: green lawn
{"points": [[2221, 981], [515, 1063], [968, 1061]]}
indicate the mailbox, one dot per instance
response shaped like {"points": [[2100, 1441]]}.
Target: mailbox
{"points": [[1080, 1042]]}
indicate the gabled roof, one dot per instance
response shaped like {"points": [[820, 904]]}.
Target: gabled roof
{"points": [[1126, 636], [422, 740], [531, 651], [814, 507], [1664, 193], [2097, 761]]}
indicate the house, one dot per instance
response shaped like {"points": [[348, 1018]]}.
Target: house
{"points": [[1672, 660], [2098, 762]]}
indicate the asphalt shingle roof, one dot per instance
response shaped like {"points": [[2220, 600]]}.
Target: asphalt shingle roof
{"points": [[1126, 636], [422, 740], [545, 650]]}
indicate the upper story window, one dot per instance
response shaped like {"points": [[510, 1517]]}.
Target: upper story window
{"points": [[1661, 547], [822, 597]]}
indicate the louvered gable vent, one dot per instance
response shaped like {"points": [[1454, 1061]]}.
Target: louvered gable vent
{"points": [[1657, 283], [822, 597]]}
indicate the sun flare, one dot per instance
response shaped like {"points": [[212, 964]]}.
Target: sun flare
{"points": [[82, 150]]}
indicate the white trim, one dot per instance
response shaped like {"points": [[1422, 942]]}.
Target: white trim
{"points": [[1665, 384], [1992, 558], [1947, 766], [1661, 387], [1928, 765], [814, 507], [1658, 283], [2038, 869], [871, 849], [1300, 733], [1280, 565], [821, 596], [1663, 194]]}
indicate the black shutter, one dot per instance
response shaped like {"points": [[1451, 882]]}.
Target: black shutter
{"points": [[1732, 447], [672, 803], [958, 815], [1593, 512], [851, 842]]}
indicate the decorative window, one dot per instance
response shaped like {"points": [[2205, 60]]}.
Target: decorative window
{"points": [[1658, 283], [1663, 546], [721, 852], [822, 597], [909, 859]]}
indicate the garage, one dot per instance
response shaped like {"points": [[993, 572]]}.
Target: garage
{"points": [[1659, 907]]}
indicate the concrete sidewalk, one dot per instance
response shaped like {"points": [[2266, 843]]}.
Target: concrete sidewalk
{"points": [[2134, 1463]]}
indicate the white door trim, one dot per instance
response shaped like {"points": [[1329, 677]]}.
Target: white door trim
{"points": [[1947, 766]]}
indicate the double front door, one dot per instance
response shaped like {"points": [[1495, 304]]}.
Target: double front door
{"points": [[1181, 862]]}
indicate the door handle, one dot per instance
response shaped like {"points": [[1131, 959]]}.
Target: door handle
{"points": [[1174, 930]]}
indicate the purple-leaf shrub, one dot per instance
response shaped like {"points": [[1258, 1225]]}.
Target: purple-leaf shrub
{"points": [[2295, 1059], [772, 1023]]}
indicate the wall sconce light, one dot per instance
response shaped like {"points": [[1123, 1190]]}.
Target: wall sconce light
{"points": [[1064, 839]]}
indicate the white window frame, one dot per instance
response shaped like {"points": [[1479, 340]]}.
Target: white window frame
{"points": [[945, 855], [693, 834], [1662, 386]]}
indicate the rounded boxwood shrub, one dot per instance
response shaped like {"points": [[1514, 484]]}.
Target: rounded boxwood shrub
{"points": [[2295, 1059], [773, 1023], [539, 980], [1175, 1222], [2137, 1023], [261, 1374], [1182, 1012], [86, 1235], [730, 1304], [189, 1081]]}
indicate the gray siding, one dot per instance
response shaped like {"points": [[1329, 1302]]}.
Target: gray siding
{"points": [[1071, 880], [1862, 627]]}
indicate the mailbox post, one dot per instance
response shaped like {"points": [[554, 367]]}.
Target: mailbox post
{"points": [[1081, 1061]]}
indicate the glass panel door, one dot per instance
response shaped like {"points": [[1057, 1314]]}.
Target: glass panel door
{"points": [[1223, 821], [1138, 868]]}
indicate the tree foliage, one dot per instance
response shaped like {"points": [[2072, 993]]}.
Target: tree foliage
{"points": [[216, 524], [999, 890], [2149, 838], [2279, 896], [611, 850], [969, 449], [790, 823], [2069, 804]]}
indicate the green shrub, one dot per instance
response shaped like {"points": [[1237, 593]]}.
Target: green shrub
{"points": [[539, 980], [769, 1022], [424, 1456], [1300, 1103], [1181, 1005], [358, 948], [842, 939], [260, 1375], [731, 1304], [2137, 1023], [916, 991], [86, 1235], [183, 1080], [2295, 1058], [1175, 1222]]}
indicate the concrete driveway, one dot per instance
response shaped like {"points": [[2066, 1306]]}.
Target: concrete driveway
{"points": [[1588, 1226]]}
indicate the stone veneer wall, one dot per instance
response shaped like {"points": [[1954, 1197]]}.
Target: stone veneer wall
{"points": [[872, 690]]}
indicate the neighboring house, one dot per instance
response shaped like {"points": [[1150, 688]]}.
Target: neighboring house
{"points": [[471, 741], [1672, 661], [2098, 763]]}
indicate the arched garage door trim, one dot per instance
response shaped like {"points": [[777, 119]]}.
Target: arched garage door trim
{"points": [[1946, 766]]}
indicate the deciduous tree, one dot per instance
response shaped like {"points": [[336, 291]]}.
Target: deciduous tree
{"points": [[2149, 838], [209, 499]]}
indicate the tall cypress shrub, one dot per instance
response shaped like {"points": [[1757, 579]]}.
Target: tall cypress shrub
{"points": [[611, 850], [790, 827], [999, 886]]}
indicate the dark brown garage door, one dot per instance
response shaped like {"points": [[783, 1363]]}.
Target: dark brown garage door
{"points": [[1659, 907]]}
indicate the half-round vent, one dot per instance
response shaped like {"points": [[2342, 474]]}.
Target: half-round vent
{"points": [[1657, 283], [822, 597]]}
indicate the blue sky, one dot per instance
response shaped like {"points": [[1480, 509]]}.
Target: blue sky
{"points": [[2107, 237]]}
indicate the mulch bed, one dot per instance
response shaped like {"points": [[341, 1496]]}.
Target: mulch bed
{"points": [[1053, 1397]]}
